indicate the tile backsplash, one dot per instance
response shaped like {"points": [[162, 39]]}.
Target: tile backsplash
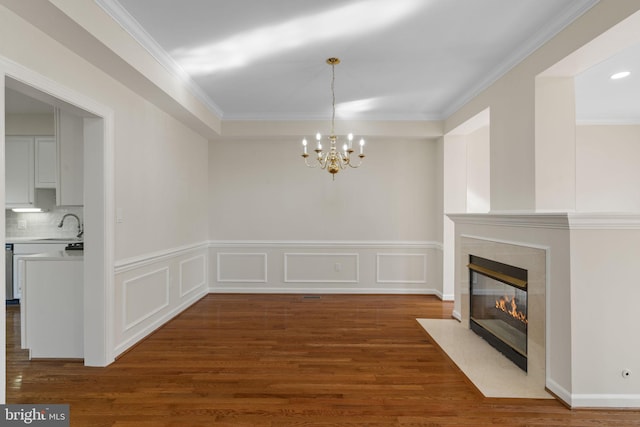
{"points": [[43, 224]]}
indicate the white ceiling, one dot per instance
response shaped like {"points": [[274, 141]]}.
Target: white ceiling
{"points": [[401, 59], [602, 100]]}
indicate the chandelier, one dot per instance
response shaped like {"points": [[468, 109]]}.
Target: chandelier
{"points": [[333, 160]]}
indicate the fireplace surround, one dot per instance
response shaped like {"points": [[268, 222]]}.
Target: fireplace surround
{"points": [[528, 257]]}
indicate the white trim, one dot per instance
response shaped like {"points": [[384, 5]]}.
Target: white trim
{"points": [[136, 262], [604, 221], [508, 242], [102, 319], [605, 401], [613, 121], [264, 266], [531, 220], [424, 267], [133, 323], [551, 220], [317, 254], [140, 35], [323, 290], [350, 244], [545, 33], [160, 321], [204, 274]]}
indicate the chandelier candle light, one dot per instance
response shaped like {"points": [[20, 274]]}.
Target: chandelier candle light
{"points": [[333, 160]]}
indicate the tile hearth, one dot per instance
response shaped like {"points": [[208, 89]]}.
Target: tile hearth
{"points": [[492, 373]]}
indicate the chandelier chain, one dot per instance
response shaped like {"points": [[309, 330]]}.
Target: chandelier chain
{"points": [[333, 100]]}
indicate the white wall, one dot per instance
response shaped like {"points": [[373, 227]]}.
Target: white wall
{"points": [[555, 142], [607, 173], [575, 273], [512, 102], [160, 183], [262, 190], [478, 171], [604, 287], [264, 198]]}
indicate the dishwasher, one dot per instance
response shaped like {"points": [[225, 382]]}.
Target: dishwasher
{"points": [[8, 268]]}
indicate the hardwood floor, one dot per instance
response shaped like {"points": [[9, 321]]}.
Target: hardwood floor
{"points": [[284, 360]]}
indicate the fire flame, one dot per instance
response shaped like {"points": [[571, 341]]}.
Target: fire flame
{"points": [[509, 306]]}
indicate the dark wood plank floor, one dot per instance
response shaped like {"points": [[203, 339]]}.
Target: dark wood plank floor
{"points": [[284, 360]]}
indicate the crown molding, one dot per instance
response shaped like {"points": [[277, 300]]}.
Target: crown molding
{"points": [[123, 18], [546, 33]]}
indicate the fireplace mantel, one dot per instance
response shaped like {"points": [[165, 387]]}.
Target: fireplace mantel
{"points": [[586, 256], [552, 220]]}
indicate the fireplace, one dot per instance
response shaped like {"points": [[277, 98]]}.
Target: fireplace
{"points": [[498, 306]]}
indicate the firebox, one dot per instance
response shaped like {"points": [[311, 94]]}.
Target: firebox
{"points": [[498, 306]]}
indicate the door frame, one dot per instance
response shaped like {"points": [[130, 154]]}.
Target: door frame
{"points": [[99, 158]]}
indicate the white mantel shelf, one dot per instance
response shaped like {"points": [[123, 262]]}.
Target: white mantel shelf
{"points": [[562, 220]]}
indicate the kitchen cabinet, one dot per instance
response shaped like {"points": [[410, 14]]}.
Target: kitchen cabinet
{"points": [[21, 251], [70, 146], [53, 305], [46, 170], [19, 171], [31, 162], [30, 248]]}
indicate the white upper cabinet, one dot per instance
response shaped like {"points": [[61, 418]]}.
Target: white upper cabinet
{"points": [[19, 171], [70, 145], [46, 159]]}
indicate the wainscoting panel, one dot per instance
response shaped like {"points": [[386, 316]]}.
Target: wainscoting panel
{"points": [[144, 296], [150, 290], [325, 267], [242, 267], [402, 268], [193, 274], [321, 268]]}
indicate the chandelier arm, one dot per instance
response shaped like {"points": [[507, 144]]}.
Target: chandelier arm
{"points": [[323, 160], [343, 160], [359, 163], [312, 166]]}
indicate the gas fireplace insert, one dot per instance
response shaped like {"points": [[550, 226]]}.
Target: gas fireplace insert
{"points": [[498, 306]]}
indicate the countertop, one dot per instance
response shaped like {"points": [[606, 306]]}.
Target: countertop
{"points": [[42, 240], [73, 255]]}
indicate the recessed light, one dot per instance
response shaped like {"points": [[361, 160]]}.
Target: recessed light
{"points": [[620, 75]]}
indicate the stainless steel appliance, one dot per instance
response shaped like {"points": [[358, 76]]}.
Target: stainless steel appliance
{"points": [[8, 266]]}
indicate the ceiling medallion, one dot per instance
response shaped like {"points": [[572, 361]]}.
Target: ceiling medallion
{"points": [[333, 160]]}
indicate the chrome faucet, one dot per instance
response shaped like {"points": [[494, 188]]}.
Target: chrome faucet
{"points": [[80, 230]]}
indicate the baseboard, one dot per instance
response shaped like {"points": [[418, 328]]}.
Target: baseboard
{"points": [[558, 391], [612, 401], [317, 290], [158, 323]]}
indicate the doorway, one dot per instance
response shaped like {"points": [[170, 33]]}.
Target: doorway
{"points": [[98, 205]]}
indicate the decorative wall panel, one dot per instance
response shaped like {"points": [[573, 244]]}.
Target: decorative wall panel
{"points": [[193, 274], [242, 267], [401, 268], [144, 296]]}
